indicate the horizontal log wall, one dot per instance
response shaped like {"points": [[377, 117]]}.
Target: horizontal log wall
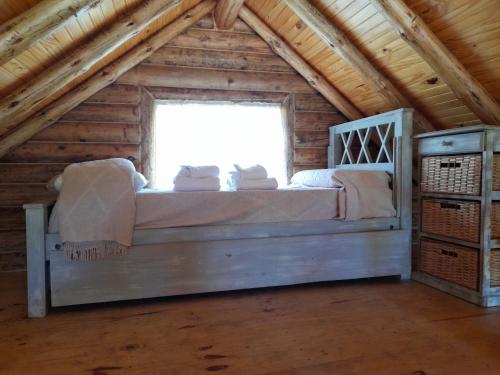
{"points": [[202, 64], [106, 125]]}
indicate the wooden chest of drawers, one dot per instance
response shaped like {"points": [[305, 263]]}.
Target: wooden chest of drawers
{"points": [[459, 205]]}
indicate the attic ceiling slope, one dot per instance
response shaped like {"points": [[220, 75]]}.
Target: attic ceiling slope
{"points": [[105, 77], [291, 57], [32, 96], [470, 30], [59, 107], [76, 31], [23, 31], [342, 46], [418, 35]]}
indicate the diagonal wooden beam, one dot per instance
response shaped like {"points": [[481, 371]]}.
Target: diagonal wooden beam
{"points": [[345, 49], [226, 13], [281, 48], [33, 95], [103, 78], [412, 29], [21, 32]]}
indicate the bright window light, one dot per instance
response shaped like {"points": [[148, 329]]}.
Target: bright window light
{"points": [[213, 133]]}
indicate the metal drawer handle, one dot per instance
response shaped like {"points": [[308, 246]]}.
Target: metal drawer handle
{"points": [[447, 143], [453, 206], [450, 165], [449, 253]]}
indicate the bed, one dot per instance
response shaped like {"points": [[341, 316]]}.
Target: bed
{"points": [[241, 255]]}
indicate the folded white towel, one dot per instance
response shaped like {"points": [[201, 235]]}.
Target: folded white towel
{"points": [[255, 172], [182, 183], [201, 171], [254, 184]]}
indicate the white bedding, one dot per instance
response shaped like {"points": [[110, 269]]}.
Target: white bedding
{"points": [[168, 209]]}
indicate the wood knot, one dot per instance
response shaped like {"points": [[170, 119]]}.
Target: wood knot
{"points": [[217, 368], [214, 356], [432, 81]]}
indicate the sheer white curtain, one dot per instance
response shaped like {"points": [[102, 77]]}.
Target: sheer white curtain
{"points": [[217, 133]]}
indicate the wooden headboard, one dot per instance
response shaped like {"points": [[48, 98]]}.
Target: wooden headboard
{"points": [[381, 142]]}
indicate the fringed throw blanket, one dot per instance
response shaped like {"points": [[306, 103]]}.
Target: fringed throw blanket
{"points": [[96, 209]]}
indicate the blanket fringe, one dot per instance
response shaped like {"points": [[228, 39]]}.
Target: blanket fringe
{"points": [[93, 250]]}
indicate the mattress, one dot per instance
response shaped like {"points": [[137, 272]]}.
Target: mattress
{"points": [[168, 209]]}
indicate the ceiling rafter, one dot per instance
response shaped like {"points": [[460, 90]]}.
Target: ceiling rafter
{"points": [[413, 30], [281, 48], [103, 78], [226, 13], [347, 51], [23, 31], [25, 100]]}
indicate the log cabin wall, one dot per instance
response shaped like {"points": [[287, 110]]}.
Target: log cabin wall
{"points": [[200, 63]]}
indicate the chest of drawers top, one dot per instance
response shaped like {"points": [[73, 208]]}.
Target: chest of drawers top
{"points": [[470, 139]]}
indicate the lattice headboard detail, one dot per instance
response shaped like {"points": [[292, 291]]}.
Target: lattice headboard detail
{"points": [[375, 145], [381, 142], [370, 143]]}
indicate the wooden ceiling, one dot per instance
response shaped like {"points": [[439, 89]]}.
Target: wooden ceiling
{"points": [[469, 29], [75, 32]]}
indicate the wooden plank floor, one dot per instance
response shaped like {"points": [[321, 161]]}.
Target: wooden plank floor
{"points": [[362, 327]]}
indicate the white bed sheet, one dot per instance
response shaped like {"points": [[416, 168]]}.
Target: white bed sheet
{"points": [[168, 209]]}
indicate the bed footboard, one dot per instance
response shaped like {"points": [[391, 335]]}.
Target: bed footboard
{"points": [[36, 228]]}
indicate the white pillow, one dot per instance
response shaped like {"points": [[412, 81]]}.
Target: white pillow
{"points": [[56, 182], [139, 181], [315, 178]]}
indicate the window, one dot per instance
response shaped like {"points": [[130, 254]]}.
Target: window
{"points": [[205, 133]]}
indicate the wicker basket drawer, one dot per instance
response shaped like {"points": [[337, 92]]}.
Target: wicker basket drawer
{"points": [[495, 221], [452, 218], [496, 172], [495, 268], [450, 262], [455, 174]]}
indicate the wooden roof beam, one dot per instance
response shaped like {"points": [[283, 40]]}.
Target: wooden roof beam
{"points": [[103, 78], [412, 29], [281, 48], [345, 49], [34, 94], [226, 13], [23, 31]]}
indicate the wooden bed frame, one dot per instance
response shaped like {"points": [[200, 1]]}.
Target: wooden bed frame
{"points": [[175, 261]]}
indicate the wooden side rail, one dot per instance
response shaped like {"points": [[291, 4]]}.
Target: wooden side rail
{"points": [[36, 228]]}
